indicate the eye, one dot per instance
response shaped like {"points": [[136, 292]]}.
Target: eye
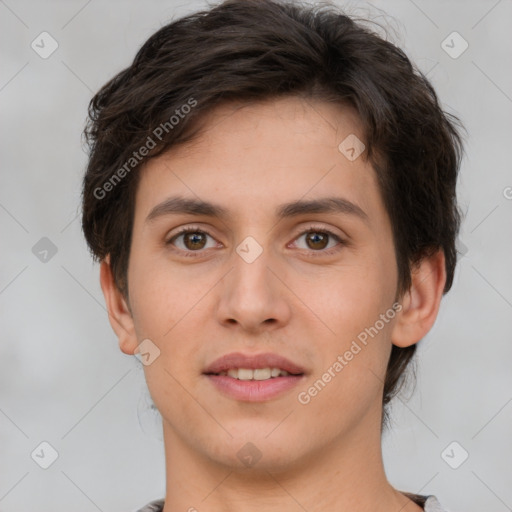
{"points": [[318, 239], [191, 240]]}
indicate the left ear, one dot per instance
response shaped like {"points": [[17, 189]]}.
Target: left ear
{"points": [[420, 304]]}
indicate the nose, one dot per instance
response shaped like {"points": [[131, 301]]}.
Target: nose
{"points": [[253, 297]]}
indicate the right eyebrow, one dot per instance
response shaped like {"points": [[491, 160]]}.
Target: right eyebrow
{"points": [[176, 204]]}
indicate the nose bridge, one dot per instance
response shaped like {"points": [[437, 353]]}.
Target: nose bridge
{"points": [[251, 293], [253, 253], [251, 275]]}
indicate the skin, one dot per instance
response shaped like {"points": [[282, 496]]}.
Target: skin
{"points": [[295, 299]]}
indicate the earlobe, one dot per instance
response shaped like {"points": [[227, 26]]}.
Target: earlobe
{"points": [[119, 313], [420, 304]]}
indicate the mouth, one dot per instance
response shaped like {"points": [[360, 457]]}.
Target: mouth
{"points": [[254, 374], [253, 378]]}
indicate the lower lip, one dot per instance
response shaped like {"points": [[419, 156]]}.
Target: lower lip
{"points": [[254, 390]]}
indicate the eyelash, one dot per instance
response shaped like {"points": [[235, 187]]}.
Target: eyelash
{"points": [[310, 229]]}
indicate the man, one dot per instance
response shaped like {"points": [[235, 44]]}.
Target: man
{"points": [[271, 194]]}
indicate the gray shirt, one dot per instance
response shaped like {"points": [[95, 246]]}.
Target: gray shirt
{"points": [[429, 504]]}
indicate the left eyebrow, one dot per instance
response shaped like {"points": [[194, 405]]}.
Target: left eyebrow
{"points": [[181, 205], [322, 205]]}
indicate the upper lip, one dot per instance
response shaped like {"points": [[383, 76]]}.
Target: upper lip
{"points": [[239, 360]]}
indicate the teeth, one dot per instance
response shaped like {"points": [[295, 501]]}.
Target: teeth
{"points": [[256, 374], [245, 374], [261, 374]]}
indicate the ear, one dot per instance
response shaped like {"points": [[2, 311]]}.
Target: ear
{"points": [[420, 304], [119, 313]]}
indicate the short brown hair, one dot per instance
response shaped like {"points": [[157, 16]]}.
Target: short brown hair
{"points": [[252, 50]]}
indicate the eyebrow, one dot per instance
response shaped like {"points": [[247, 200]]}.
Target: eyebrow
{"points": [[181, 205]]}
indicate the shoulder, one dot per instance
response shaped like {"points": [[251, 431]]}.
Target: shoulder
{"points": [[154, 506], [432, 505], [428, 503]]}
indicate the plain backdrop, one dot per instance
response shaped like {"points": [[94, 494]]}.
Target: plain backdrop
{"points": [[63, 379]]}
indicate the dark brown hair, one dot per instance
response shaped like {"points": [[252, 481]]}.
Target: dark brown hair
{"points": [[250, 50]]}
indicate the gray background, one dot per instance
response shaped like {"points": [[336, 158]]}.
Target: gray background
{"points": [[63, 379]]}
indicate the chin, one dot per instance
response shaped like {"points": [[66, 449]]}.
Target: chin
{"points": [[256, 453]]}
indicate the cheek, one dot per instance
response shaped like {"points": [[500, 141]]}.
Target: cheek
{"points": [[165, 302], [362, 337], [353, 297], [169, 308], [351, 305], [160, 295], [351, 372]]}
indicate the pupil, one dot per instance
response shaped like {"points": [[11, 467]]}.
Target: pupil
{"points": [[318, 238], [195, 239]]}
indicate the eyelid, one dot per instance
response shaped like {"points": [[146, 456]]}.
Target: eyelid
{"points": [[188, 229], [318, 227]]}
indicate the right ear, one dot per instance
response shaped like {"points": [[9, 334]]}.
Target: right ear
{"points": [[119, 313]]}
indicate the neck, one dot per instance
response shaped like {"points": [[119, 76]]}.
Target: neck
{"points": [[348, 475]]}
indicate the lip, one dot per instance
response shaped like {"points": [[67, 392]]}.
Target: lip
{"points": [[253, 390], [239, 360]]}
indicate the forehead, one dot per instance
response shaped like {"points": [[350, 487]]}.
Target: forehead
{"points": [[259, 156], [318, 122]]}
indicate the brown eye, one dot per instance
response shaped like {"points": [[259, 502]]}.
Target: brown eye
{"points": [[190, 240], [317, 240], [194, 241]]}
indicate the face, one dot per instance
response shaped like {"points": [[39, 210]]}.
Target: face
{"points": [[264, 278]]}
